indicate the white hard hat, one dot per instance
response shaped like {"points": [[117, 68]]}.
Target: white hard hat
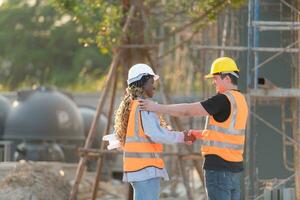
{"points": [[137, 71]]}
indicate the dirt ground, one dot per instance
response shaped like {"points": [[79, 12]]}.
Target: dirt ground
{"points": [[35, 182], [53, 180]]}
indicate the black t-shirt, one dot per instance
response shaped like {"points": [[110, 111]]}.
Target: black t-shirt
{"points": [[219, 107]]}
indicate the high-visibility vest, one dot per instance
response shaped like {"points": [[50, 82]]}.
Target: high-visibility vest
{"points": [[226, 139], [139, 151]]}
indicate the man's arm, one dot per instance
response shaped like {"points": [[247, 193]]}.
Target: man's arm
{"points": [[184, 109]]}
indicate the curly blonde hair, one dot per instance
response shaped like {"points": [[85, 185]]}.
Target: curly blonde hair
{"points": [[133, 91], [122, 113]]}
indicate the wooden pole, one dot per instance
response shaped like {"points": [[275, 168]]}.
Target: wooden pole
{"points": [[224, 33], [296, 124], [94, 153], [185, 179], [100, 159], [91, 135]]}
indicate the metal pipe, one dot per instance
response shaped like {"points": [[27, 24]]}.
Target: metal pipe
{"points": [[249, 41], [249, 157], [256, 41], [279, 28], [244, 48], [275, 23]]}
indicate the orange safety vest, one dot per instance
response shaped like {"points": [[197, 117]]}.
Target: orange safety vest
{"points": [[226, 139], [139, 151]]}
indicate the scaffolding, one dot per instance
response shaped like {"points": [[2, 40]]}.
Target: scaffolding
{"points": [[268, 92], [281, 94]]}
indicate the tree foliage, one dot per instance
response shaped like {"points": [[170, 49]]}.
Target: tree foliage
{"points": [[154, 22], [104, 18], [40, 46], [99, 18]]}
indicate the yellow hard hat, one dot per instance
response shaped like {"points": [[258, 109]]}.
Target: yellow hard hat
{"points": [[222, 65]]}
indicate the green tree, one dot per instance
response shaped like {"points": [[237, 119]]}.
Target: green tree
{"points": [[42, 46], [153, 23], [104, 18]]}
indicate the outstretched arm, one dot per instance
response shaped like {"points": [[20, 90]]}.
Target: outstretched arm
{"points": [[152, 128], [184, 109]]}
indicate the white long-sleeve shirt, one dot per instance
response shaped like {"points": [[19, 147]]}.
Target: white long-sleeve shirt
{"points": [[158, 134]]}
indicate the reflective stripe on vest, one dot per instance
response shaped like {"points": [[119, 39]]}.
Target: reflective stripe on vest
{"points": [[223, 138], [234, 109], [139, 150], [222, 145], [141, 155], [138, 139], [229, 131]]}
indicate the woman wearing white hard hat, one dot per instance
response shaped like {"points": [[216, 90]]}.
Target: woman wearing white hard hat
{"points": [[141, 134]]}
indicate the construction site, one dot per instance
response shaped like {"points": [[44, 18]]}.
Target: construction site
{"points": [[51, 145]]}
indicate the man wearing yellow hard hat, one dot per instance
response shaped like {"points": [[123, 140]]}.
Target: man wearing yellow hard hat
{"points": [[223, 138]]}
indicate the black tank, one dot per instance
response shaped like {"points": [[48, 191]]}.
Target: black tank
{"points": [[44, 114]]}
